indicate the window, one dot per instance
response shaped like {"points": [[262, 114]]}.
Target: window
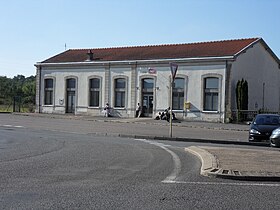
{"points": [[178, 94], [94, 92], [71, 84], [211, 94], [148, 83], [120, 87], [48, 91]]}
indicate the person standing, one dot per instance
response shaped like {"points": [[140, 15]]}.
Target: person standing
{"points": [[138, 110], [107, 110]]}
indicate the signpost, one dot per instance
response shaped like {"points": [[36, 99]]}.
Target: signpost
{"points": [[173, 68]]}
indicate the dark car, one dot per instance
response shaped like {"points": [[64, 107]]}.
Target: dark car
{"points": [[262, 127]]}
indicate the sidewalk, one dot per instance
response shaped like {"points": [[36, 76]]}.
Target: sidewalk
{"points": [[256, 163]]}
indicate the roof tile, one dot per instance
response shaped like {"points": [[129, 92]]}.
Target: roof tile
{"points": [[172, 51]]}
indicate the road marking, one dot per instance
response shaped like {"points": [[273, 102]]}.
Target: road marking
{"points": [[177, 163], [12, 126], [225, 183]]}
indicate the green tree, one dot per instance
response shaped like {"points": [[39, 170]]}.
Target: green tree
{"points": [[241, 92], [29, 91], [5, 90]]}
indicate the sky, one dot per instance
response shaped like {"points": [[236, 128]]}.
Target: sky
{"points": [[33, 30]]}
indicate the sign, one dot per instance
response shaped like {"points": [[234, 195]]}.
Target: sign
{"points": [[152, 71], [173, 67]]}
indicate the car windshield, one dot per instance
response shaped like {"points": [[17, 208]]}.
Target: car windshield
{"points": [[267, 120]]}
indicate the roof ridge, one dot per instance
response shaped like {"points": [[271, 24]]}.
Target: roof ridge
{"points": [[162, 45]]}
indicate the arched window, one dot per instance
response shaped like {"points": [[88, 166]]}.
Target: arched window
{"points": [[178, 94], [48, 90], [94, 92], [211, 94], [120, 92]]}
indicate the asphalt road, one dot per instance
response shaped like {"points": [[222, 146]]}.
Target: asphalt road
{"points": [[89, 126], [46, 168]]}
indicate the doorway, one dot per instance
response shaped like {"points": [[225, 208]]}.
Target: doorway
{"points": [[148, 100], [70, 102], [70, 95], [147, 97]]}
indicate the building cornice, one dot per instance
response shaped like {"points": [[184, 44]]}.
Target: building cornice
{"points": [[129, 62]]}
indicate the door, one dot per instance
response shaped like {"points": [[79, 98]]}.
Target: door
{"points": [[147, 104], [70, 102]]}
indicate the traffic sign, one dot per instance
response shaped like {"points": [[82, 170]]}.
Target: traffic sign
{"points": [[173, 67]]}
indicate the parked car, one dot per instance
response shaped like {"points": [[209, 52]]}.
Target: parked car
{"points": [[262, 126], [275, 138]]}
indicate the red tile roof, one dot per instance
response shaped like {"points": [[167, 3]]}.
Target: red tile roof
{"points": [[172, 51]]}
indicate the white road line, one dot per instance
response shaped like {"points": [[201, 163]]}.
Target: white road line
{"points": [[171, 179], [12, 126], [177, 163]]}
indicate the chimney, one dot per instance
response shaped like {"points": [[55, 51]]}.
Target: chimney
{"points": [[90, 56]]}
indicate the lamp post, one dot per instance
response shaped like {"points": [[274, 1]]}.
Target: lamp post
{"points": [[173, 68]]}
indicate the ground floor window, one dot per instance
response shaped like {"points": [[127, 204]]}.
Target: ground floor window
{"points": [[211, 94], [94, 90], [48, 90], [120, 92], [178, 94]]}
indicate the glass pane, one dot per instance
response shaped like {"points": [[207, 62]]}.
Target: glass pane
{"points": [[48, 83], [178, 101], [212, 82], [215, 102], [48, 97], [147, 83], [120, 83], [179, 83], [123, 99], [94, 98], [207, 102], [71, 83], [95, 83]]}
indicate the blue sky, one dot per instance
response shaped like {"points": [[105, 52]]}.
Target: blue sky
{"points": [[34, 30]]}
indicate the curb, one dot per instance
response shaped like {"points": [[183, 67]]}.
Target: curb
{"points": [[210, 167], [213, 141]]}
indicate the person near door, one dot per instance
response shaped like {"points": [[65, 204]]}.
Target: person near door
{"points": [[138, 110], [107, 110]]}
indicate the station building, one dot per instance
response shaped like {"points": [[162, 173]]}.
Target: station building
{"points": [[82, 81]]}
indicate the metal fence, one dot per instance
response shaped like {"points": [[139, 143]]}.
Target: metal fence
{"points": [[16, 105]]}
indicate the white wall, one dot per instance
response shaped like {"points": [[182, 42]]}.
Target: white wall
{"points": [[257, 66], [192, 72]]}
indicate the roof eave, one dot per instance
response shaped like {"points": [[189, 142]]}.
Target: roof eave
{"points": [[179, 60]]}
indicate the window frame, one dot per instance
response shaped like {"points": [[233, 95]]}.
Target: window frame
{"points": [[122, 91], [180, 95], [214, 93], [93, 90], [48, 92]]}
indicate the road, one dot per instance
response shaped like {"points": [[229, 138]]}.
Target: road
{"points": [[42, 168]]}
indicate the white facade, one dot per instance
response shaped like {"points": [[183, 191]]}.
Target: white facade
{"points": [[255, 64]]}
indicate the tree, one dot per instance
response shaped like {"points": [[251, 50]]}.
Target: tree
{"points": [[241, 92], [20, 88]]}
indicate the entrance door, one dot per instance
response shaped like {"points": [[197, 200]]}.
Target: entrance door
{"points": [[147, 104], [70, 102]]}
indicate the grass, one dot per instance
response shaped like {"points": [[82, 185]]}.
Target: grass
{"points": [[6, 108]]}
